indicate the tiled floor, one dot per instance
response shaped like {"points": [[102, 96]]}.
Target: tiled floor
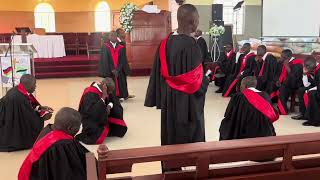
{"points": [[144, 123]]}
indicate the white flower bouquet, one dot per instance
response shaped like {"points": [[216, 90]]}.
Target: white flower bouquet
{"points": [[216, 31], [126, 15]]}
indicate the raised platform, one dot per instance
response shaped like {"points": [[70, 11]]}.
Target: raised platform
{"points": [[73, 66]]}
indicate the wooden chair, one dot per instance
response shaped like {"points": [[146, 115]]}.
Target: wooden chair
{"points": [[201, 155], [82, 42], [71, 42], [94, 43]]}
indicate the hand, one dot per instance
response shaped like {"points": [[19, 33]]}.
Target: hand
{"points": [[46, 108], [108, 109], [105, 94], [47, 116], [305, 71]]}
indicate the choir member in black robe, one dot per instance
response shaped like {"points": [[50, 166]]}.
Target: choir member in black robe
{"points": [[224, 67], [102, 113], [246, 66], [292, 73], [56, 155], [21, 116], [178, 84], [113, 63], [249, 114], [267, 71], [203, 48], [312, 101], [121, 37], [308, 80]]}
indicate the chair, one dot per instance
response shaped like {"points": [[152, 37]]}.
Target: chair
{"points": [[94, 43], [71, 42], [82, 42]]}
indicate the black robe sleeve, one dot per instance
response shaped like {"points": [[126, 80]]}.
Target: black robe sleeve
{"points": [[265, 82], [20, 124], [204, 49], [105, 65], [250, 67], [242, 120], [124, 65], [65, 160], [294, 78]]}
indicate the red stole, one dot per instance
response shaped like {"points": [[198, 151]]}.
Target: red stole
{"points": [[115, 57], [228, 54], [263, 64], [33, 101], [317, 69], [261, 105], [188, 83], [38, 149], [306, 94], [243, 65], [111, 120]]}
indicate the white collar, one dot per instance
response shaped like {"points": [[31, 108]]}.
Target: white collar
{"points": [[292, 58], [198, 37], [113, 44], [254, 89], [96, 86], [175, 33], [119, 40], [265, 56]]}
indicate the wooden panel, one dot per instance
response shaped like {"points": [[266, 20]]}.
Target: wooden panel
{"points": [[143, 42], [115, 20]]}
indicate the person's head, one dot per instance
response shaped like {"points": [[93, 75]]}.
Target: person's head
{"points": [[286, 55], [113, 36], [198, 33], [246, 48], [310, 63], [228, 47], [248, 82], [188, 18], [121, 33], [67, 120], [262, 50], [109, 84], [29, 82]]}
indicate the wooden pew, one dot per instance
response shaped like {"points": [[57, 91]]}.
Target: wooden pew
{"points": [[201, 155]]}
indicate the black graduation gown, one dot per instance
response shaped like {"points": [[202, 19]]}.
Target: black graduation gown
{"points": [[182, 114], [243, 120], [267, 73], [20, 124], [96, 125], [106, 65], [63, 160], [225, 65], [204, 50], [313, 104]]}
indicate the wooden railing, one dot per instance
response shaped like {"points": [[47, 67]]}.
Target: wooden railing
{"points": [[261, 153]]}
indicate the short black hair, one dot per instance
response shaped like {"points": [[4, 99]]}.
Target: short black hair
{"points": [[118, 31], [263, 47], [247, 44], [287, 53]]}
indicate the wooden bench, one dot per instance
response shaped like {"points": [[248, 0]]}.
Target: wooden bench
{"points": [[200, 155]]}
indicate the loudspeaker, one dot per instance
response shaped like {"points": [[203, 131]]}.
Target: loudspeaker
{"points": [[217, 12]]}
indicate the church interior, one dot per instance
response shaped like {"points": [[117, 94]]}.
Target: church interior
{"points": [[62, 40]]}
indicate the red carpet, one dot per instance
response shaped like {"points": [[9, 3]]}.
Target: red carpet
{"points": [[73, 66]]}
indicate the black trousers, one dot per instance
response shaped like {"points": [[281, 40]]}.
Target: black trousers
{"points": [[302, 107], [285, 93]]}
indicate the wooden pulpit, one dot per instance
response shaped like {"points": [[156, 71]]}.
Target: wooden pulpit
{"points": [[143, 41]]}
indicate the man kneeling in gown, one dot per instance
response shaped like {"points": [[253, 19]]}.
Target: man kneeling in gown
{"points": [[21, 116], [249, 114], [56, 155], [102, 113]]}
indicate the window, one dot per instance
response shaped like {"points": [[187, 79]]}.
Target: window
{"points": [[44, 17], [230, 17], [102, 17]]}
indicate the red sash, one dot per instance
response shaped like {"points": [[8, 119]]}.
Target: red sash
{"points": [[317, 69], [188, 83], [38, 149], [296, 61], [33, 101], [261, 105], [306, 99], [90, 89], [115, 57], [228, 54], [243, 65]]}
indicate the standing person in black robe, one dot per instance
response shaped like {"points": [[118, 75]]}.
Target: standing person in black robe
{"points": [[224, 67], [308, 80], [268, 70], [246, 66], [21, 116], [203, 48], [102, 113], [178, 84], [249, 114], [113, 63], [121, 37], [292, 75], [312, 101], [56, 155]]}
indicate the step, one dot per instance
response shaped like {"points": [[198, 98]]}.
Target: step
{"points": [[66, 68], [64, 62], [66, 74]]}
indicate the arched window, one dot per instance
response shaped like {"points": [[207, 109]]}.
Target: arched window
{"points": [[102, 17], [44, 17]]}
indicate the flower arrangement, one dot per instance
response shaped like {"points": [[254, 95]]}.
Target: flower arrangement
{"points": [[216, 31], [126, 14]]}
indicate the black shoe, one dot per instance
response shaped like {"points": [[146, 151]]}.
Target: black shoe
{"points": [[306, 123], [220, 90], [298, 117]]}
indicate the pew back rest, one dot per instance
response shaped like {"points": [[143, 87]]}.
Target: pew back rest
{"points": [[201, 155]]}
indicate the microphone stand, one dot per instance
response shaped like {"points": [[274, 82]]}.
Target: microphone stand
{"points": [[11, 44]]}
